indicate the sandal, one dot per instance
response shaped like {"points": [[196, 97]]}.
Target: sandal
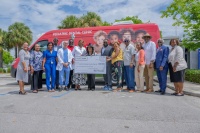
{"points": [[22, 93], [35, 91], [179, 94]]}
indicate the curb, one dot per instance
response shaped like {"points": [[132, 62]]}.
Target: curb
{"points": [[185, 92]]}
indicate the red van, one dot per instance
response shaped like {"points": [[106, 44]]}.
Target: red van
{"points": [[96, 35]]}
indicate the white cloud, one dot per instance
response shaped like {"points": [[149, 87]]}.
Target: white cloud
{"points": [[42, 17]]}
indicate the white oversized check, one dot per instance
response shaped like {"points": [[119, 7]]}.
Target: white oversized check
{"points": [[90, 65]]}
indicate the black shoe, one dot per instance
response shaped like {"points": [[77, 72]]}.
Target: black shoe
{"points": [[162, 93], [57, 87], [66, 88], [60, 89], [158, 91]]}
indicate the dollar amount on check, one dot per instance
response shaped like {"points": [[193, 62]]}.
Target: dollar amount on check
{"points": [[90, 65]]}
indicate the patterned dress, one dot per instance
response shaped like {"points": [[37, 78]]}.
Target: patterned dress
{"points": [[78, 79]]}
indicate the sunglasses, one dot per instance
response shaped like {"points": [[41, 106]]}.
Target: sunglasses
{"points": [[159, 42], [126, 41]]}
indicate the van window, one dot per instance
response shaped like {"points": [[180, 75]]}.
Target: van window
{"points": [[43, 45]]}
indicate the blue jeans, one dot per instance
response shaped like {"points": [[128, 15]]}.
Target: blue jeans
{"points": [[129, 77], [64, 76]]}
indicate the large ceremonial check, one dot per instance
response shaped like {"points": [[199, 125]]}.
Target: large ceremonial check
{"points": [[90, 65]]}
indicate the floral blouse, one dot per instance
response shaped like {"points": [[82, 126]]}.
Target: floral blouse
{"points": [[36, 60]]}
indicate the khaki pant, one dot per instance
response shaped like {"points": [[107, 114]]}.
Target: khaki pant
{"points": [[139, 77], [148, 74]]}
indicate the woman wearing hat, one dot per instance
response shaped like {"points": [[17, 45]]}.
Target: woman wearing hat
{"points": [[90, 77]]}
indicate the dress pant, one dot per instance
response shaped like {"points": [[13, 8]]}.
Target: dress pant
{"points": [[162, 78], [36, 80], [64, 76], [129, 77], [91, 81], [108, 76], [70, 79], [139, 77], [148, 74], [57, 79], [50, 70]]}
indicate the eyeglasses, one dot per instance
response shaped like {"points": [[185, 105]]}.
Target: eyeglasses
{"points": [[126, 41], [159, 42]]}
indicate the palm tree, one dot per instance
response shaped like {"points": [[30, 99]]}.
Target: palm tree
{"points": [[2, 46], [91, 19], [18, 33], [69, 22]]}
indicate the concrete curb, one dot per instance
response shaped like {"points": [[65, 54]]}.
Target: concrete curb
{"points": [[185, 92]]}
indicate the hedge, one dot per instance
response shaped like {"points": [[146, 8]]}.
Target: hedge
{"points": [[192, 75], [4, 70], [1, 70]]}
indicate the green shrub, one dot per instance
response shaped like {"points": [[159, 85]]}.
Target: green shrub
{"points": [[192, 75], [9, 69], [1, 70], [4, 70]]}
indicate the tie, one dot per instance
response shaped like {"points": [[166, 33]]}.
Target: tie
{"points": [[65, 55]]}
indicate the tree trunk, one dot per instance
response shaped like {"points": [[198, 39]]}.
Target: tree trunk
{"points": [[1, 58], [15, 51]]}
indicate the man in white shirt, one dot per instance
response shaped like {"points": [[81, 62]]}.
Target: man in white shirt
{"points": [[150, 56], [64, 65], [129, 65]]}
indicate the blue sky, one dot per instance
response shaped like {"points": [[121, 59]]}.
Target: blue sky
{"points": [[44, 15]]}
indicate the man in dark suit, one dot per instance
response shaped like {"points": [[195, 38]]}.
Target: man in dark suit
{"points": [[162, 65], [56, 48], [107, 51]]}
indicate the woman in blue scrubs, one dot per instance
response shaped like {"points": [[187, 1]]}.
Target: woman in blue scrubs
{"points": [[49, 66]]}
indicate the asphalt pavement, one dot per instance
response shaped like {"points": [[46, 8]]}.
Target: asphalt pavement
{"points": [[95, 111]]}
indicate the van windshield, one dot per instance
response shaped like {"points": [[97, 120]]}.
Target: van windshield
{"points": [[43, 45]]}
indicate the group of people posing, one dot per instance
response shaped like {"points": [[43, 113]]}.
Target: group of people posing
{"points": [[131, 62]]}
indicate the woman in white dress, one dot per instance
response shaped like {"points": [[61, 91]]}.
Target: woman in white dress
{"points": [[23, 67], [79, 79]]}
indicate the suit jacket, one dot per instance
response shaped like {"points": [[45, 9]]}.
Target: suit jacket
{"points": [[107, 52], [61, 59], [162, 56]]}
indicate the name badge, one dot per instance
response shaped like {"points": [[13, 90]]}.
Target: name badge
{"points": [[51, 62]]}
